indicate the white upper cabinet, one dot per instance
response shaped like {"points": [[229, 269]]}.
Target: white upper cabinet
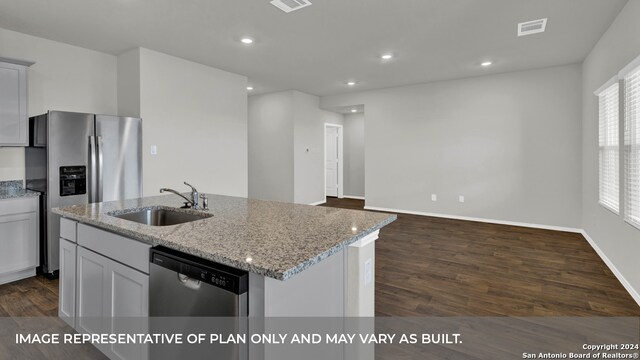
{"points": [[14, 121]]}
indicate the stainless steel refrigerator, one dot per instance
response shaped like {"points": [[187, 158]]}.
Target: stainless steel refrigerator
{"points": [[76, 158]]}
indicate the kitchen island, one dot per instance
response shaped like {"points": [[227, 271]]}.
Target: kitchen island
{"points": [[279, 239], [302, 261]]}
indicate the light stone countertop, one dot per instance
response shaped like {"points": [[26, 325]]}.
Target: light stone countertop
{"points": [[12, 189], [280, 239]]}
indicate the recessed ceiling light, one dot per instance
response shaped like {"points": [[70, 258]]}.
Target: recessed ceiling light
{"points": [[246, 40], [249, 88], [386, 56], [354, 110], [351, 83], [486, 63]]}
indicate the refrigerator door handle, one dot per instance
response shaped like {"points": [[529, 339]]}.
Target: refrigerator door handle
{"points": [[100, 167], [93, 171]]}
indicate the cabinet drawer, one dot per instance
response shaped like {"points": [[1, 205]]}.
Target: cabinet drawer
{"points": [[68, 229], [130, 252]]}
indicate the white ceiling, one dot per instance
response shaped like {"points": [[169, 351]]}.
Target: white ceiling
{"points": [[319, 48]]}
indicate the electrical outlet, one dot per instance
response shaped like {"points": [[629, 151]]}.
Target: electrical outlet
{"points": [[154, 150], [368, 272], [461, 198], [434, 197]]}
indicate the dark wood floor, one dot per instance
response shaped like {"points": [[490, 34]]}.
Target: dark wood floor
{"points": [[33, 297], [427, 266]]}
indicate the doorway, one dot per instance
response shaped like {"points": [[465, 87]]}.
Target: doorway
{"points": [[333, 160]]}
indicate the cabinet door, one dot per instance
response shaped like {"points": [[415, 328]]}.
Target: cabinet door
{"points": [[92, 274], [128, 308], [18, 243], [13, 100], [67, 300], [114, 299]]}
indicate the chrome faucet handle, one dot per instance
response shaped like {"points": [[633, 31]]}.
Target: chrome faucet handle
{"points": [[193, 189], [194, 195]]}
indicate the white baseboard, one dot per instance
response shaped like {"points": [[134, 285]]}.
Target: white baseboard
{"points": [[354, 197], [468, 218], [17, 275], [318, 202], [634, 294]]}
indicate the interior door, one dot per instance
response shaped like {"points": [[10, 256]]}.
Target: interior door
{"points": [[120, 143], [331, 158]]}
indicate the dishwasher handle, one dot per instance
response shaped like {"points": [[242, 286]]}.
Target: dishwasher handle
{"points": [[188, 282]]}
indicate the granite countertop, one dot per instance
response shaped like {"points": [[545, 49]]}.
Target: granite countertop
{"points": [[269, 238], [13, 189]]}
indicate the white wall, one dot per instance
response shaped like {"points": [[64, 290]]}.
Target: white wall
{"points": [[282, 126], [129, 83], [354, 154], [619, 241], [309, 122], [271, 146], [510, 143], [64, 77], [197, 117]]}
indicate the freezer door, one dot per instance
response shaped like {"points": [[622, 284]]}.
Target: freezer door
{"points": [[119, 143], [68, 148]]}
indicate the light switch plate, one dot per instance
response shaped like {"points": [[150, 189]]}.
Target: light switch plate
{"points": [[154, 150], [461, 198], [434, 197]]}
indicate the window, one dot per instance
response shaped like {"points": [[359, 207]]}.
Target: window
{"points": [[632, 144], [609, 146]]}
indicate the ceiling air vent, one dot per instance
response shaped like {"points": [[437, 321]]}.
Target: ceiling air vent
{"points": [[290, 5], [532, 27]]}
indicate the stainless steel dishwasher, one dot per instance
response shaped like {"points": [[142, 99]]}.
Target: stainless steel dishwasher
{"points": [[185, 293], [185, 285]]}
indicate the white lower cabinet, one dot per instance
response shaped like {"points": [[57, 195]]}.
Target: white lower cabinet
{"points": [[91, 275], [19, 240], [67, 291], [111, 297], [128, 308]]}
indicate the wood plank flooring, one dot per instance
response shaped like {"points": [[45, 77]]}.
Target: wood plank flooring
{"points": [[427, 266], [36, 296]]}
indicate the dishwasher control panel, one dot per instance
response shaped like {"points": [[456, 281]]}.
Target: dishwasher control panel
{"points": [[222, 276]]}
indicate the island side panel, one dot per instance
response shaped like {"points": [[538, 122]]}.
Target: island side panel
{"points": [[361, 277], [316, 291]]}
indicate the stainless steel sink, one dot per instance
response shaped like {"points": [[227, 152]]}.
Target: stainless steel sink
{"points": [[162, 217]]}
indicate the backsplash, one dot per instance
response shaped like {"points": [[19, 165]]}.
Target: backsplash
{"points": [[11, 163], [11, 185]]}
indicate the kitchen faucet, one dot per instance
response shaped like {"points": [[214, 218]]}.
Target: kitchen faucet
{"points": [[193, 203]]}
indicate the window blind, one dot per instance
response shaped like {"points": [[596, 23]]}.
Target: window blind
{"points": [[609, 148], [632, 146]]}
